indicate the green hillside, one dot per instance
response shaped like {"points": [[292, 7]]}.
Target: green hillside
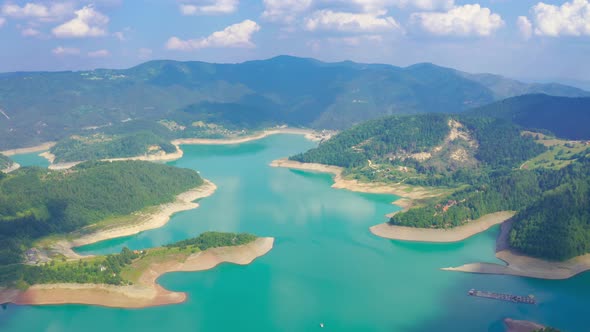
{"points": [[5, 162], [35, 202], [428, 149], [49, 106], [565, 117]]}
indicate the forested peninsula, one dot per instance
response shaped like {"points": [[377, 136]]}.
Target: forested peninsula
{"points": [[40, 206], [483, 165]]}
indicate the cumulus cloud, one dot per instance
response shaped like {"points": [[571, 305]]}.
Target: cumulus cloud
{"points": [[30, 32], [350, 22], [99, 54], [524, 26], [209, 7], [570, 19], [236, 35], [88, 23], [31, 10], [376, 5], [60, 50], [284, 11], [467, 20]]}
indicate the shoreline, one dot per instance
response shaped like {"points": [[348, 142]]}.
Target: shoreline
{"points": [[513, 325], [38, 148], [12, 168], [147, 292], [309, 134], [184, 202], [440, 235], [401, 190], [525, 266]]}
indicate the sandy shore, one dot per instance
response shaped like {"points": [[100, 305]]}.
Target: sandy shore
{"points": [[411, 192], [12, 168], [38, 148], [146, 292], [525, 266], [184, 202], [455, 234], [513, 325], [161, 157], [309, 134]]}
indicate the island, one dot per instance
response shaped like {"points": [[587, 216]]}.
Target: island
{"points": [[459, 175], [129, 279]]}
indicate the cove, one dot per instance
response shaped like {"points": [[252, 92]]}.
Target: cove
{"points": [[326, 267]]}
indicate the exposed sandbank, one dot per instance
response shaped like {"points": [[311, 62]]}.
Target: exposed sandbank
{"points": [[513, 325], [146, 292], [38, 148], [11, 168], [411, 192], [525, 266], [161, 156], [454, 234], [157, 219], [309, 134]]}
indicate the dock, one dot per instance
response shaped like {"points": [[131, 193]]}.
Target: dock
{"points": [[530, 299]]}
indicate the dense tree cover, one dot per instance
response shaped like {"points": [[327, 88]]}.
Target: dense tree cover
{"points": [[105, 147], [554, 217], [390, 141], [5, 162], [35, 202], [557, 226], [214, 239], [376, 139], [107, 269], [565, 117], [46, 106]]}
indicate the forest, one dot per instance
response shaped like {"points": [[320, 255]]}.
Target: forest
{"points": [[553, 221], [36, 202], [110, 269], [99, 146]]}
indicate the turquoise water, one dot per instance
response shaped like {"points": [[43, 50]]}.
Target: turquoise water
{"points": [[30, 159], [325, 267]]}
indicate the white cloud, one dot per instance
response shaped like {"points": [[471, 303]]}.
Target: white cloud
{"points": [[284, 10], [376, 5], [356, 40], [570, 19], [467, 20], [144, 53], [30, 32], [350, 22], [52, 12], [99, 54], [524, 26], [60, 50], [2, 21], [87, 23], [209, 7], [236, 35]]}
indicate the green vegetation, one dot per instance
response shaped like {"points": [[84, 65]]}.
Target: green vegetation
{"points": [[116, 269], [5, 162], [560, 152], [100, 146], [35, 202], [427, 150], [46, 106], [214, 239], [565, 117]]}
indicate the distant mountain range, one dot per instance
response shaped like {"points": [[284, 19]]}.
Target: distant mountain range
{"points": [[44, 106]]}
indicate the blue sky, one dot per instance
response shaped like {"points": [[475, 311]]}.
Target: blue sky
{"points": [[517, 38]]}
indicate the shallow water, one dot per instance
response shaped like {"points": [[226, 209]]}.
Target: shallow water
{"points": [[326, 267]]}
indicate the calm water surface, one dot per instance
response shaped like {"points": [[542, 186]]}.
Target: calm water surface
{"points": [[325, 266]]}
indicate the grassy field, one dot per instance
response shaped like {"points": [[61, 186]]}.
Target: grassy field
{"points": [[560, 154]]}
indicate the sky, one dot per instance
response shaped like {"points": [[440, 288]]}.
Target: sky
{"points": [[523, 39]]}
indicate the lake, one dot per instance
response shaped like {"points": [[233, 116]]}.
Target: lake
{"points": [[326, 267]]}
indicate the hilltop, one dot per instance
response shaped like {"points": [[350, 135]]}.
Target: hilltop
{"points": [[188, 97]]}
